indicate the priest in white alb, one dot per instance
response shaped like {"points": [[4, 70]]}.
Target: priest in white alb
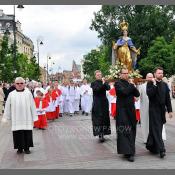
{"points": [[86, 100], [144, 108], [20, 109]]}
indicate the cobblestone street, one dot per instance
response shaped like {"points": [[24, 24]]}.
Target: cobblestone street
{"points": [[68, 143]]}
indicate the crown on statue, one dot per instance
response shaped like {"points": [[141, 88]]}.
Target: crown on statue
{"points": [[123, 25]]}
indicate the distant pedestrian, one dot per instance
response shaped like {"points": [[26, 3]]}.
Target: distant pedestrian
{"points": [[5, 90], [86, 102], [2, 96]]}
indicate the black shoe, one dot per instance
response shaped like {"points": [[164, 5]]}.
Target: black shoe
{"points": [[126, 155], [71, 115], [101, 138], [86, 114], [60, 115], [162, 155], [27, 151], [131, 158], [20, 151], [83, 113]]}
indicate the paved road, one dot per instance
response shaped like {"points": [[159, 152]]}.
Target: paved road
{"points": [[68, 143]]}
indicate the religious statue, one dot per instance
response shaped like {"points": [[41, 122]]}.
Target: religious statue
{"points": [[124, 48]]}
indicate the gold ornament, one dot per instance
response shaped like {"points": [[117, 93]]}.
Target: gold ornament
{"points": [[123, 25]]}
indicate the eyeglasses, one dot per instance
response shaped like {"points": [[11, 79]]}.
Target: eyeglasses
{"points": [[19, 83]]}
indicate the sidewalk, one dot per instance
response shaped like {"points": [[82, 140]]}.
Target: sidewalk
{"points": [[68, 143]]}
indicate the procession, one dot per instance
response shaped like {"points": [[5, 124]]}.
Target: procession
{"points": [[96, 120]]}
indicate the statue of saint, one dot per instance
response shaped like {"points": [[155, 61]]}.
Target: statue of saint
{"points": [[125, 50]]}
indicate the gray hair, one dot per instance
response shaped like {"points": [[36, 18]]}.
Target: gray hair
{"points": [[19, 79], [97, 71]]}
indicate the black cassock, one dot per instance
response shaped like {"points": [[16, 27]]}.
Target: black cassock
{"points": [[159, 102], [23, 139], [126, 117], [100, 108]]}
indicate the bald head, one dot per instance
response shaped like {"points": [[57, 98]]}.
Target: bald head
{"points": [[149, 76]]}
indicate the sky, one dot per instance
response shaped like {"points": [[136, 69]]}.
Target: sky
{"points": [[64, 30]]}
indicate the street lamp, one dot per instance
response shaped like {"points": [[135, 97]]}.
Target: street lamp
{"points": [[39, 42], [48, 58], [14, 33]]}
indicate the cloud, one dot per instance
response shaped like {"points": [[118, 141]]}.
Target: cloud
{"points": [[64, 28]]}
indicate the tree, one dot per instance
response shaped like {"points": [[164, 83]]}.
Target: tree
{"points": [[146, 22], [6, 61], [90, 64], [96, 60], [33, 69], [159, 54], [25, 68], [103, 60]]}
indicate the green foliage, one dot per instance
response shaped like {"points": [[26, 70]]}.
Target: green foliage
{"points": [[146, 22], [6, 61], [159, 54], [90, 64], [33, 69], [25, 68], [96, 60]]}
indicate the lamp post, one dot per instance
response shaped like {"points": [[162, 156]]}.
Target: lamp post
{"points": [[14, 34], [48, 57], [39, 42]]}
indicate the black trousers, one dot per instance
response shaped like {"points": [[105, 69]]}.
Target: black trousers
{"points": [[23, 139]]}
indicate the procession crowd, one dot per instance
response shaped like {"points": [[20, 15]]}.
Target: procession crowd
{"points": [[32, 104]]}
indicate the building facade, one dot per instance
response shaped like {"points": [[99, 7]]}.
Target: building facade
{"points": [[76, 71], [68, 75], [24, 44]]}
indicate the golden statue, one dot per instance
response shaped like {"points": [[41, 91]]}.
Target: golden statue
{"points": [[124, 48]]}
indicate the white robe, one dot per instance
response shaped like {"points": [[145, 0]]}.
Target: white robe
{"points": [[60, 101], [109, 97], [71, 99], [64, 90], [77, 99], [144, 113], [137, 104], [20, 109], [51, 107], [86, 98]]}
